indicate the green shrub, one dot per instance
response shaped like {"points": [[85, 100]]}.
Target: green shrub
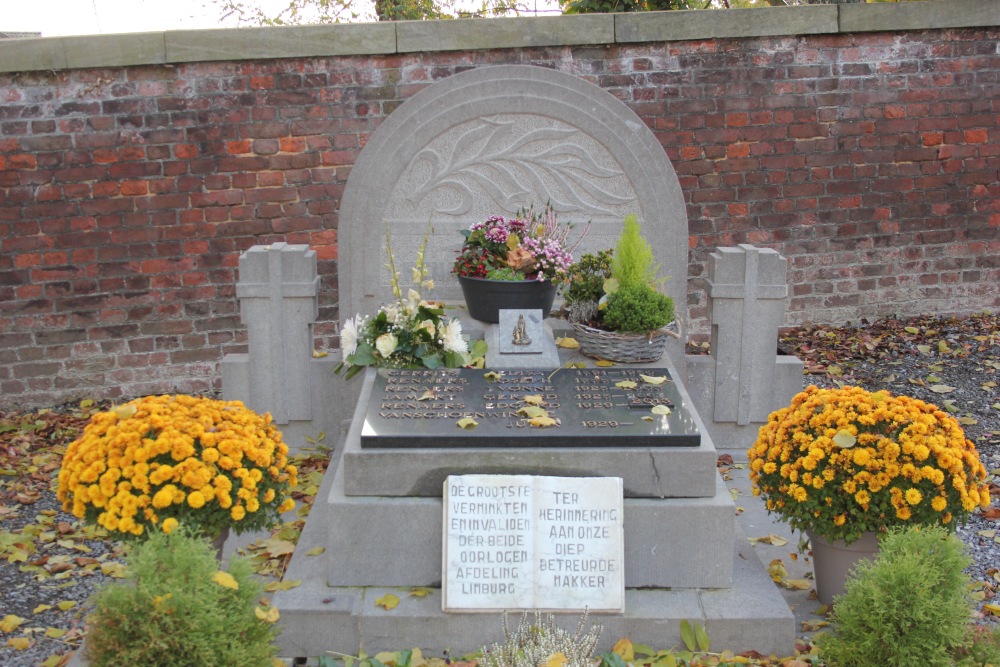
{"points": [[908, 607], [633, 262], [638, 309], [170, 612]]}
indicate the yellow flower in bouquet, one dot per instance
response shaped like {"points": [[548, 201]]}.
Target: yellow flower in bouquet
{"points": [[842, 462], [161, 461]]}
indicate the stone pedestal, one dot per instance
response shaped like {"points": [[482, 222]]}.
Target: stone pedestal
{"points": [[379, 518]]}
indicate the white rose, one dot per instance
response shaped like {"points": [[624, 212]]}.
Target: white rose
{"points": [[429, 326], [386, 344]]}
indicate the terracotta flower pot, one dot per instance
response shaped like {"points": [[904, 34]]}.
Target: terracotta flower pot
{"points": [[486, 298], [833, 560]]}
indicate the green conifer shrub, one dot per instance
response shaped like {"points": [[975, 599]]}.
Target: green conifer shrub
{"points": [[172, 611], [908, 607], [638, 309], [633, 262]]}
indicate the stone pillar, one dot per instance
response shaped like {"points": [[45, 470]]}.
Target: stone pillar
{"points": [[746, 290], [744, 380], [278, 292]]}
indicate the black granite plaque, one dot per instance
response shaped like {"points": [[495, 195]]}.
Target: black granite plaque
{"points": [[595, 407]]}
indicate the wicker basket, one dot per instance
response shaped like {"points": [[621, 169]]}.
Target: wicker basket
{"points": [[624, 347]]}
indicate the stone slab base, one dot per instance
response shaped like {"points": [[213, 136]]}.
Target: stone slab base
{"points": [[751, 615], [669, 542]]}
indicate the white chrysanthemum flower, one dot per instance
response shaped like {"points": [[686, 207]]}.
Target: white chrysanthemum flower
{"points": [[349, 336], [451, 337], [386, 344]]}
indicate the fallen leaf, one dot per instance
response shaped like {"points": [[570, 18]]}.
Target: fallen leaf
{"points": [[661, 410], [467, 422], [19, 643], [967, 421], [797, 584], [941, 389], [315, 551], [491, 375], [626, 384], [40, 608], [420, 593], [270, 615], [653, 379], [624, 648], [772, 539], [844, 439], [124, 411], [282, 585], [10, 623], [647, 418], [533, 399], [913, 330], [55, 633], [532, 411], [66, 605], [427, 395], [543, 422], [568, 343], [777, 571], [604, 363], [387, 601], [556, 660], [317, 354], [225, 580]]}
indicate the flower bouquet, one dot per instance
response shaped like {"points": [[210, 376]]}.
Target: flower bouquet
{"points": [[514, 263], [159, 461], [529, 247], [407, 333], [843, 462]]}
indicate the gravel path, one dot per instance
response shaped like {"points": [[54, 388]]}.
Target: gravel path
{"points": [[951, 362]]}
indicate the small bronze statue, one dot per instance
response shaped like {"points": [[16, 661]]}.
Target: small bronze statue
{"points": [[520, 335]]}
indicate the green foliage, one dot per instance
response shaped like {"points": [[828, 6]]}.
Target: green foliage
{"points": [[638, 309], [585, 281], [982, 647], [633, 262], [910, 606], [171, 613], [610, 6], [505, 273]]}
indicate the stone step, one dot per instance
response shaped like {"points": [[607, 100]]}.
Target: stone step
{"points": [[750, 615], [669, 543]]}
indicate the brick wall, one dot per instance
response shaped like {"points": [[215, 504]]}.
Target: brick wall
{"points": [[126, 194]]}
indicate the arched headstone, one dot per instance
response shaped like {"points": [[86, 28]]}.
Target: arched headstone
{"points": [[488, 142]]}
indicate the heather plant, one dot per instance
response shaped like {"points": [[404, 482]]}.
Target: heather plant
{"points": [[910, 606], [177, 609], [538, 643]]}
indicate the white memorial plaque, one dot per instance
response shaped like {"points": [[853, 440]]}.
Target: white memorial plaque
{"points": [[529, 542]]}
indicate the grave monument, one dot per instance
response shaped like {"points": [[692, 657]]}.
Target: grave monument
{"points": [[485, 142]]}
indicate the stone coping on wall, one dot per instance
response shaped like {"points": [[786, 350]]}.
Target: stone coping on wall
{"points": [[183, 46]]}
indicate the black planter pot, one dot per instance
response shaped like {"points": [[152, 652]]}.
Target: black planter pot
{"points": [[486, 298]]}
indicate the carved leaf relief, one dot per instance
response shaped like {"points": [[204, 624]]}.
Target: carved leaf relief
{"points": [[513, 166]]}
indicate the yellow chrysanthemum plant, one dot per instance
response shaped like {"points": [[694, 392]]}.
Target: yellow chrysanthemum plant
{"points": [[160, 461], [844, 462]]}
